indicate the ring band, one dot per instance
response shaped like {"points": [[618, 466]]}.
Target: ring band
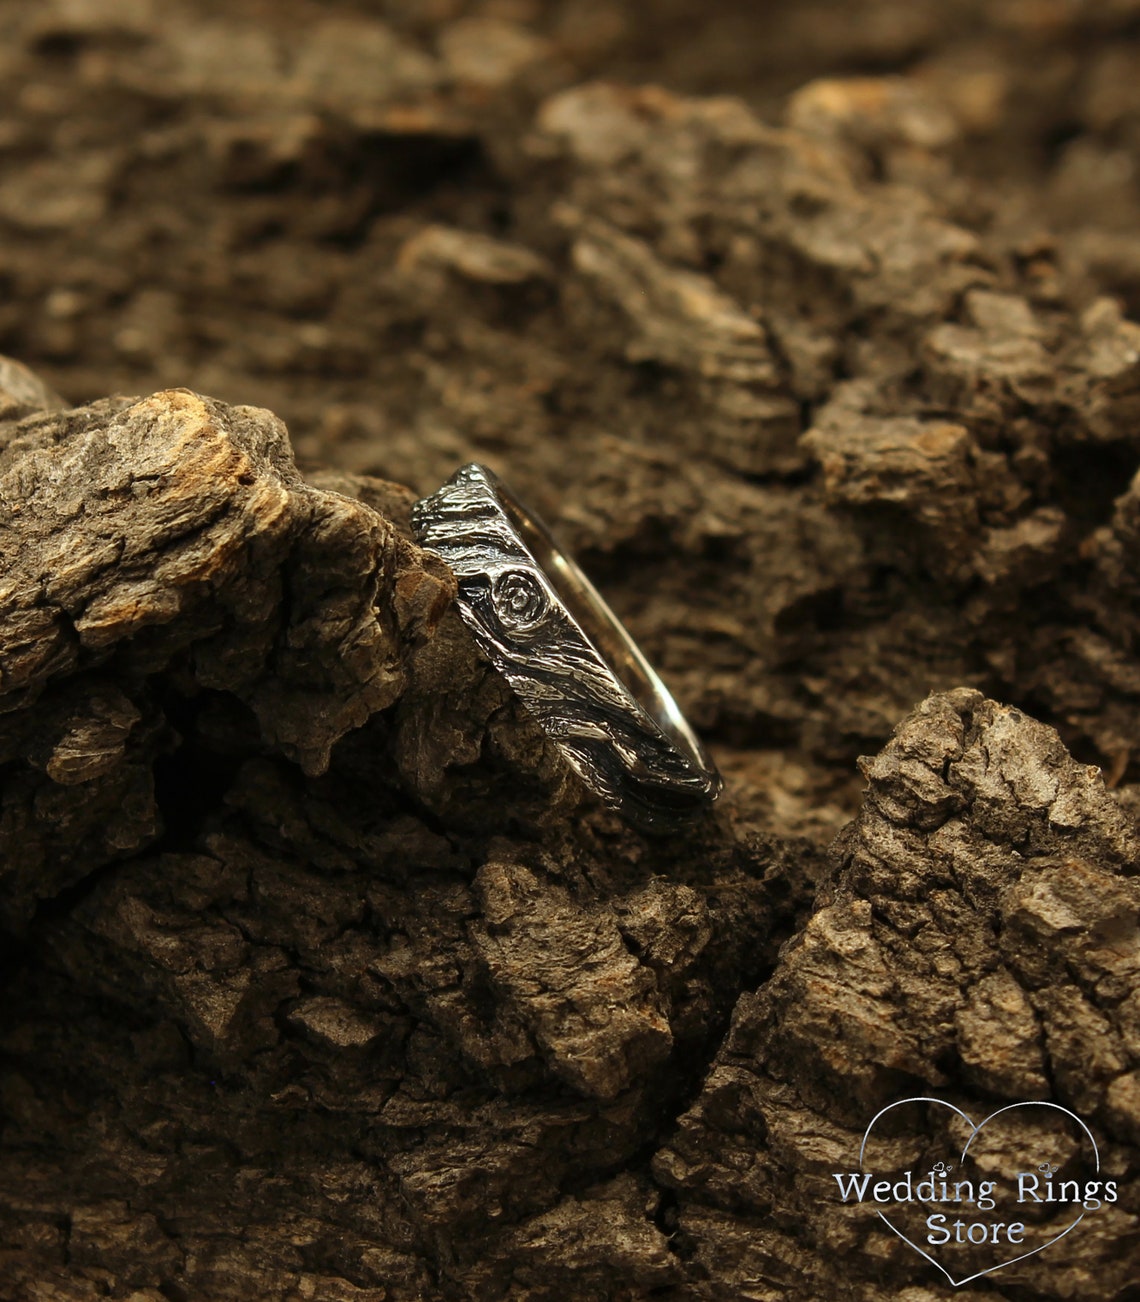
{"points": [[545, 627]]}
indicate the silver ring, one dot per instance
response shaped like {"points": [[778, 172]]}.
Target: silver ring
{"points": [[545, 627]]}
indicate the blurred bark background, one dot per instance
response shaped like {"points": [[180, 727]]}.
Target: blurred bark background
{"points": [[809, 326]]}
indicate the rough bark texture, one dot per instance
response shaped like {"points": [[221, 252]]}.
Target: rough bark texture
{"points": [[809, 327]]}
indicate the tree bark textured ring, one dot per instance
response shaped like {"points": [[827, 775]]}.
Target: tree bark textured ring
{"points": [[545, 627]]}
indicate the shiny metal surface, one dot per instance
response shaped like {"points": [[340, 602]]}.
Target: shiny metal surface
{"points": [[547, 629]]}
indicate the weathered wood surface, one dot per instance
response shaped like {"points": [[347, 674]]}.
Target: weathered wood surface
{"points": [[323, 978]]}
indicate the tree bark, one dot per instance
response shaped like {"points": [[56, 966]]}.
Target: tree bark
{"points": [[324, 978]]}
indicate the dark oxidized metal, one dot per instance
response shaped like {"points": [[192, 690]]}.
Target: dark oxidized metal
{"points": [[545, 627]]}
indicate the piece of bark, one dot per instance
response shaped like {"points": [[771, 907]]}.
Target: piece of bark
{"points": [[367, 900], [976, 940], [356, 999], [168, 544], [22, 392]]}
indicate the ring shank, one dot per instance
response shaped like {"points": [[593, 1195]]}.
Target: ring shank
{"points": [[600, 626], [547, 629]]}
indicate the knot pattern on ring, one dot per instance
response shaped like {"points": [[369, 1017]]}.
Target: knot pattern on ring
{"points": [[519, 598]]}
